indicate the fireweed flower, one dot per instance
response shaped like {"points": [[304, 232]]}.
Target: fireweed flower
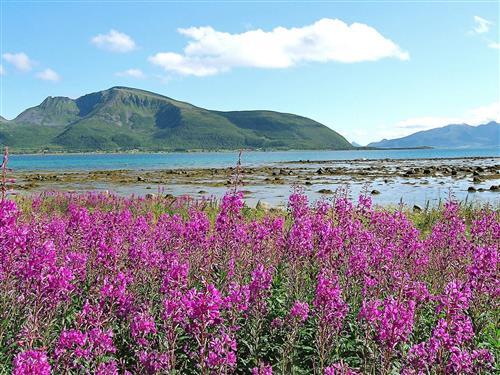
{"points": [[328, 302], [222, 352], [203, 308], [114, 290], [262, 370], [238, 297], [339, 369], [153, 362], [299, 311], [101, 341], [483, 272], [73, 343], [392, 320], [260, 284], [141, 326], [107, 368], [456, 298], [31, 362]]}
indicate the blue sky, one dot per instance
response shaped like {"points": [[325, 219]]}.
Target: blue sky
{"points": [[369, 70]]}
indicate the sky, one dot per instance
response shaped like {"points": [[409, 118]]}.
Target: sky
{"points": [[367, 69]]}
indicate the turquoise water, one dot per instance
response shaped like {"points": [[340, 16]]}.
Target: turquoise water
{"points": [[222, 159]]}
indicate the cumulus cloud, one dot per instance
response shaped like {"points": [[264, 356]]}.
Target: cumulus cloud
{"points": [[114, 41], [20, 61], [481, 25], [494, 45], [132, 73], [48, 75], [210, 51]]}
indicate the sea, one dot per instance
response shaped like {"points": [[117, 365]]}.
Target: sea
{"points": [[148, 161]]}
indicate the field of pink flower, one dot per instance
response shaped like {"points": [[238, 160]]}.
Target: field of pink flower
{"points": [[98, 284]]}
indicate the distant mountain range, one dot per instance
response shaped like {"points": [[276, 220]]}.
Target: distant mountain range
{"points": [[450, 136], [123, 118]]}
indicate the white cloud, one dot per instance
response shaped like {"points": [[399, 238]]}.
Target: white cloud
{"points": [[114, 41], [210, 51], [48, 75], [474, 117], [132, 73], [494, 45], [482, 26], [2, 70], [20, 60]]}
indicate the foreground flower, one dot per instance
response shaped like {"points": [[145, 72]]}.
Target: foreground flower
{"points": [[31, 362], [299, 311]]}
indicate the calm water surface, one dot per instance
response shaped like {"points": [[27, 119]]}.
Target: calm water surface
{"points": [[221, 159]]}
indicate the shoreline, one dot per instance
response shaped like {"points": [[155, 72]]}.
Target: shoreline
{"points": [[387, 180], [194, 151]]}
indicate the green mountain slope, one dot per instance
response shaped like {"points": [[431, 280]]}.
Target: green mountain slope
{"points": [[123, 118]]}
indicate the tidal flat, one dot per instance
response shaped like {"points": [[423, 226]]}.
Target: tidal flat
{"points": [[388, 181]]}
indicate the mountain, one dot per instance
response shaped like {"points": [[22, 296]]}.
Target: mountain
{"points": [[123, 118], [355, 144], [458, 136]]}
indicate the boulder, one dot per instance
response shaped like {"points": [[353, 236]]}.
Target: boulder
{"points": [[325, 191]]}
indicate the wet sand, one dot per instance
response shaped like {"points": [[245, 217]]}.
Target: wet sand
{"points": [[414, 181]]}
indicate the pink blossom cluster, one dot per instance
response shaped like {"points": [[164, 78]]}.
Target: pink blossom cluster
{"points": [[95, 283]]}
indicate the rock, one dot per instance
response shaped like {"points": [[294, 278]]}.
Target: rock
{"points": [[375, 192], [308, 183], [148, 187], [325, 191], [417, 208], [202, 192], [150, 196], [481, 190], [320, 171], [427, 171], [141, 179], [409, 172], [480, 169], [475, 173], [471, 189], [453, 172], [477, 180], [494, 188], [261, 205]]}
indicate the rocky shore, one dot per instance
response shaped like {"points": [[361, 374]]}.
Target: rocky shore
{"points": [[468, 175]]}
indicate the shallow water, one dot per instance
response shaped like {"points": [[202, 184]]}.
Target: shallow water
{"points": [[382, 171], [430, 191]]}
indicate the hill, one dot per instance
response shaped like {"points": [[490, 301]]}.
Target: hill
{"points": [[122, 118], [463, 135]]}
